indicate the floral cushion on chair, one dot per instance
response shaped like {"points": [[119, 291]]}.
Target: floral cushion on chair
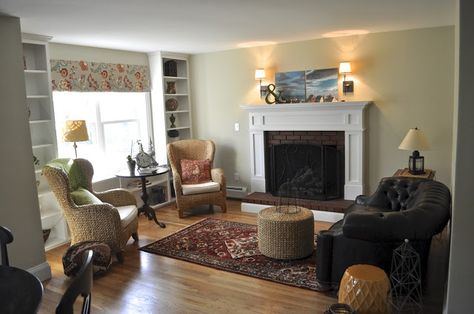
{"points": [[195, 171]]}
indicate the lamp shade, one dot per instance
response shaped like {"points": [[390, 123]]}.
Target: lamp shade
{"points": [[259, 74], [415, 140], [345, 67], [75, 131]]}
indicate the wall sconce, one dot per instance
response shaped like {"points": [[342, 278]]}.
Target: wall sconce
{"points": [[347, 86], [259, 76]]}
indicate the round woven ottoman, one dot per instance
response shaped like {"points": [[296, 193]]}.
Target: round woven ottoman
{"points": [[365, 288], [286, 232]]}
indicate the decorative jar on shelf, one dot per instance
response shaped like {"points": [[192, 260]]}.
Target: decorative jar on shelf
{"points": [[171, 104], [171, 87], [171, 68]]}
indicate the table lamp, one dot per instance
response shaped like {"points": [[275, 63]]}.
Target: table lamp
{"points": [[75, 131], [415, 140]]}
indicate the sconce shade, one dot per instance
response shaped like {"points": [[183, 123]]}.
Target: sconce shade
{"points": [[415, 140], [259, 74], [344, 67], [75, 131]]}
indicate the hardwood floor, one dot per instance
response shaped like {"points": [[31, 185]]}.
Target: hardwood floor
{"points": [[148, 283]]}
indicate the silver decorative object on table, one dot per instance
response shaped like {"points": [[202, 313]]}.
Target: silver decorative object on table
{"points": [[144, 161]]}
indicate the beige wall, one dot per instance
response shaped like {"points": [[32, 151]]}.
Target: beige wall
{"points": [[408, 75], [19, 208], [74, 52]]}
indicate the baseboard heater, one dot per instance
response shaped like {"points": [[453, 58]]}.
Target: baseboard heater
{"points": [[236, 191]]}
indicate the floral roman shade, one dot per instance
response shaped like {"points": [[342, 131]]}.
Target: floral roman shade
{"points": [[82, 76]]}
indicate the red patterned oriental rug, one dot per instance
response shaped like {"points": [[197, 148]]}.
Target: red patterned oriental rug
{"points": [[233, 246]]}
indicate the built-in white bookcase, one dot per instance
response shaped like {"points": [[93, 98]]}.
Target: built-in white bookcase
{"points": [[160, 95], [183, 121], [42, 129]]}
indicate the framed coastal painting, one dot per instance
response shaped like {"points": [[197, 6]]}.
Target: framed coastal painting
{"points": [[291, 85], [321, 85]]}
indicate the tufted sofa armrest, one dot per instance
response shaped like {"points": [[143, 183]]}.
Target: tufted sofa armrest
{"points": [[361, 199]]}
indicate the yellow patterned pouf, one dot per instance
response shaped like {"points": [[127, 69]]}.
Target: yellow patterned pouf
{"points": [[286, 232], [365, 288]]}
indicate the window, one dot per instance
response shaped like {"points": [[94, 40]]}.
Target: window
{"points": [[115, 121]]}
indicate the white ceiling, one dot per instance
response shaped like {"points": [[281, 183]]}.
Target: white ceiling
{"points": [[195, 26]]}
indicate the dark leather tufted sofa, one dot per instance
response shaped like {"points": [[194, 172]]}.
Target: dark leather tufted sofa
{"points": [[401, 208]]}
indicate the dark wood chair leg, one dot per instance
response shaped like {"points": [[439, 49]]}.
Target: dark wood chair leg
{"points": [[211, 209], [120, 257], [135, 236]]}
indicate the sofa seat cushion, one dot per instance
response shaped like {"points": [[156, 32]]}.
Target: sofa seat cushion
{"points": [[127, 214], [207, 187]]}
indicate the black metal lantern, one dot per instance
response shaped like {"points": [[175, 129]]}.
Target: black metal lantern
{"points": [[416, 163]]}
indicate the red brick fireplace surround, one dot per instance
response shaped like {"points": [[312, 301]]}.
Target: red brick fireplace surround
{"points": [[333, 138]]}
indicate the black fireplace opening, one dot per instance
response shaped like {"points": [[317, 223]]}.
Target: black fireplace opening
{"points": [[305, 171]]}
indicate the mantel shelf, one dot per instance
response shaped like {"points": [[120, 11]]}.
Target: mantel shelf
{"points": [[342, 105]]}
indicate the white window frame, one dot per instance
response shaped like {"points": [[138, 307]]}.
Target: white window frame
{"points": [[101, 134]]}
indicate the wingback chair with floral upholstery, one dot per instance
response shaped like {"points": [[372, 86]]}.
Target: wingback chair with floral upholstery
{"points": [[188, 195], [110, 217]]}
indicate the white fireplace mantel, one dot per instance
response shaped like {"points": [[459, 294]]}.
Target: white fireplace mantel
{"points": [[337, 116]]}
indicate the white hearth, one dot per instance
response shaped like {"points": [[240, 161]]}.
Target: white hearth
{"points": [[339, 116]]}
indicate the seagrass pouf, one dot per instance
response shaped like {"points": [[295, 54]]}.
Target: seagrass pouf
{"points": [[286, 232]]}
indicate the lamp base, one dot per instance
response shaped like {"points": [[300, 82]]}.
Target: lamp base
{"points": [[75, 149]]}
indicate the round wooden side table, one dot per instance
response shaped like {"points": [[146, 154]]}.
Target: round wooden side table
{"points": [[366, 289], [286, 232]]}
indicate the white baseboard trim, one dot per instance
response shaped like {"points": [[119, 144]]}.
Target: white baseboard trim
{"points": [[42, 271], [319, 215]]}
